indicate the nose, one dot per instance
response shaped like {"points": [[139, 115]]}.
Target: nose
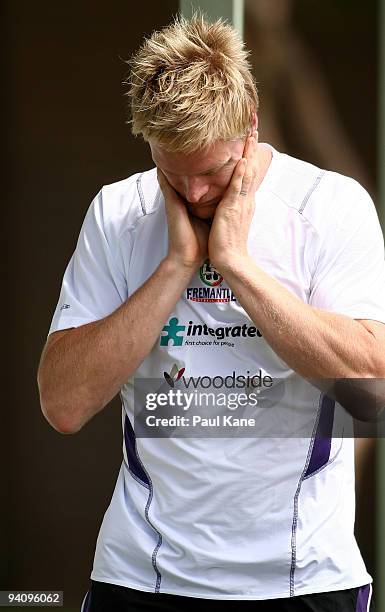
{"points": [[196, 188]]}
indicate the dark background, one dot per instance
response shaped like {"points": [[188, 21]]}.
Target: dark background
{"points": [[65, 136], [343, 36]]}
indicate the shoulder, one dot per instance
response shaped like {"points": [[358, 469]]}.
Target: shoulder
{"points": [[322, 197], [122, 204]]}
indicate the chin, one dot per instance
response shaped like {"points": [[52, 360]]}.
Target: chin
{"points": [[203, 212]]}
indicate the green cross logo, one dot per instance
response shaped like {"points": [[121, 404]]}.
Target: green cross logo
{"points": [[172, 329]]}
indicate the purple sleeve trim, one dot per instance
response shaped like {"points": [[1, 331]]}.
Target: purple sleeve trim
{"points": [[132, 455], [323, 437]]}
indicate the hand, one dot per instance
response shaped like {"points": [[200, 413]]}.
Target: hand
{"points": [[187, 235], [233, 215]]}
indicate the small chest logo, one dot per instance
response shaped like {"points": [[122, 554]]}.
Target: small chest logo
{"points": [[209, 275], [212, 292]]}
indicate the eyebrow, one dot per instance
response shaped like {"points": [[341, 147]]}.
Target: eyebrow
{"points": [[217, 167]]}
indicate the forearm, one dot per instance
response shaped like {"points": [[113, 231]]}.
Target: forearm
{"points": [[82, 371], [334, 352], [315, 343]]}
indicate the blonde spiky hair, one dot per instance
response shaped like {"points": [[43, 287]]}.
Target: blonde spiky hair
{"points": [[190, 85]]}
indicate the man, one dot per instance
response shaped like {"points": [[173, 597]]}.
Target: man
{"points": [[229, 261]]}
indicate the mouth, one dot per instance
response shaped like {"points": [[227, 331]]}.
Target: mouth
{"points": [[204, 213], [199, 205]]}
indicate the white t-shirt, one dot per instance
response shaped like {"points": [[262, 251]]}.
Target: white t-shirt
{"points": [[240, 517]]}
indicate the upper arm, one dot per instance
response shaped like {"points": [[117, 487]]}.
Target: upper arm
{"points": [[94, 283], [349, 272], [52, 338]]}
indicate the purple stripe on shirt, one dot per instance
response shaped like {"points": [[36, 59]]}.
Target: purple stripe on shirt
{"points": [[323, 438], [363, 598], [132, 455]]}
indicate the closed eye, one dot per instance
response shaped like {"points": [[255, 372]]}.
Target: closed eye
{"points": [[225, 166]]}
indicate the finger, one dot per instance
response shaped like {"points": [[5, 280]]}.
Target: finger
{"points": [[250, 147], [246, 187], [173, 206], [246, 146], [251, 174], [250, 155], [165, 185], [235, 185], [254, 165]]}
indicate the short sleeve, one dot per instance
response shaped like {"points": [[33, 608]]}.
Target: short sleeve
{"points": [[94, 284], [349, 276]]}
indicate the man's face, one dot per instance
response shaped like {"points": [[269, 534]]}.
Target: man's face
{"points": [[200, 178]]}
